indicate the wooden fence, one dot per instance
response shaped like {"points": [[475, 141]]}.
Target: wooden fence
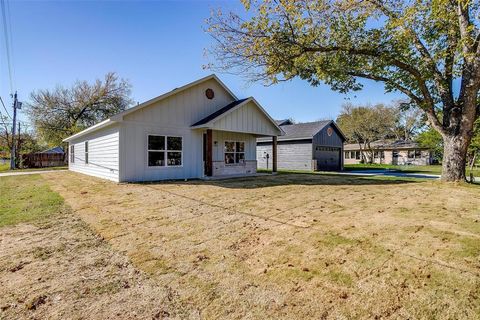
{"points": [[42, 160]]}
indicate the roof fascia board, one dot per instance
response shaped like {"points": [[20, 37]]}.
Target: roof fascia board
{"points": [[93, 128], [119, 117], [211, 122]]}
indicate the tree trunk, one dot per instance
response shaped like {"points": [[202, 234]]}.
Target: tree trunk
{"points": [[454, 158]]}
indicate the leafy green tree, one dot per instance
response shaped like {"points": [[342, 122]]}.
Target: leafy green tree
{"points": [[431, 139], [419, 48], [365, 124], [59, 113]]}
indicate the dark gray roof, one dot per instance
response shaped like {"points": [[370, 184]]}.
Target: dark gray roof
{"points": [[300, 130], [283, 122], [387, 144], [219, 112]]}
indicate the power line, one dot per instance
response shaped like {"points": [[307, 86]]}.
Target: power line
{"points": [[11, 42], [3, 104], [7, 45]]}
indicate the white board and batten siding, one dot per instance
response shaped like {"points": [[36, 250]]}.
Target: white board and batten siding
{"points": [[172, 116], [103, 153], [248, 119]]}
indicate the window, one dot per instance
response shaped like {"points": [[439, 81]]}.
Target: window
{"points": [[375, 154], [418, 153], [411, 154], [164, 151], [234, 152], [347, 155], [357, 155], [72, 154], [86, 152]]}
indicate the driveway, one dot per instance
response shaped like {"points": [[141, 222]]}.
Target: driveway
{"points": [[392, 173], [22, 172]]}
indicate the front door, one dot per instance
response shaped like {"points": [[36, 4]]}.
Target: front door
{"points": [[395, 157], [208, 153]]}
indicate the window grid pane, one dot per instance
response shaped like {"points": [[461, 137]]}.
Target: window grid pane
{"points": [[174, 143], [156, 142], [156, 159]]}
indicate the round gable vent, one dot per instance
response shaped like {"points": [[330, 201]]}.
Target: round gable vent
{"points": [[209, 93], [329, 131]]}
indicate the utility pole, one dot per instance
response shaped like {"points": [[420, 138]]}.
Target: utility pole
{"points": [[14, 127]]}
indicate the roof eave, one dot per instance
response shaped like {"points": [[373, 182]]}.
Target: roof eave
{"points": [[93, 128]]}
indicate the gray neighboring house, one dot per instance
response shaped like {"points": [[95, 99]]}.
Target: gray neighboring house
{"points": [[313, 146]]}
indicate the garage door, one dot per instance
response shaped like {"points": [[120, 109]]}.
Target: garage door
{"points": [[328, 158]]}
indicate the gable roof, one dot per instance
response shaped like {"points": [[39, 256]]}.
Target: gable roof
{"points": [[306, 130], [119, 116], [219, 112], [217, 115]]}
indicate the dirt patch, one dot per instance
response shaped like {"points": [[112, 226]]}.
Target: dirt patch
{"points": [[301, 246], [59, 269]]}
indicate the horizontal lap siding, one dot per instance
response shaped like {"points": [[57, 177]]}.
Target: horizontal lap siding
{"points": [[103, 155], [291, 156]]}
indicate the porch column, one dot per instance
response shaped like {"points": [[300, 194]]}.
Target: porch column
{"points": [[209, 155], [274, 154]]}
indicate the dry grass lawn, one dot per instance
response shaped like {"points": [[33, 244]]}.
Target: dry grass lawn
{"points": [[295, 246], [292, 246]]}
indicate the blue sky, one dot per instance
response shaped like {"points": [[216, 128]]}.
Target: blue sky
{"points": [[156, 45]]}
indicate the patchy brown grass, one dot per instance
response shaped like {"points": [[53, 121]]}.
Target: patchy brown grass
{"points": [[52, 266], [293, 246]]}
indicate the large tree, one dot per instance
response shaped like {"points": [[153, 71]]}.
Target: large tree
{"points": [[420, 48], [59, 113], [366, 124]]}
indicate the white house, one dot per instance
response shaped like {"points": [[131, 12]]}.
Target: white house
{"points": [[201, 129]]}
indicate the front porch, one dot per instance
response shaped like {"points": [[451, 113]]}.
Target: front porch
{"points": [[230, 138], [231, 154]]}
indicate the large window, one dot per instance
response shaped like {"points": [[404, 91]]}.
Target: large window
{"points": [[347, 154], [414, 154], [72, 154], [234, 152], [86, 152], [164, 151]]}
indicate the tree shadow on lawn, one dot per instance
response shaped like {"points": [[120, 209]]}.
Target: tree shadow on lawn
{"points": [[300, 178]]}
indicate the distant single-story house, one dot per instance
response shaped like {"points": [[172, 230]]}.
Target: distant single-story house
{"points": [[400, 152], [304, 146], [198, 130]]}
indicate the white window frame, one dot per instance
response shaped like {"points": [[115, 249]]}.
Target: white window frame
{"points": [[165, 152], [234, 152], [86, 150]]}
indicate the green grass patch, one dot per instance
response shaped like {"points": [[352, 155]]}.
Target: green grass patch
{"points": [[340, 277], [27, 198], [432, 169], [470, 247], [4, 167], [334, 240]]}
